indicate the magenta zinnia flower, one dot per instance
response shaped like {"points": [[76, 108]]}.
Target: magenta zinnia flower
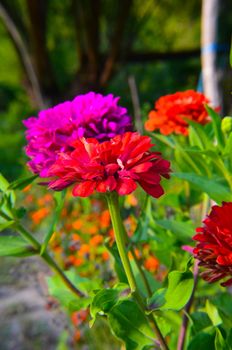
{"points": [[214, 250], [114, 165], [53, 131]]}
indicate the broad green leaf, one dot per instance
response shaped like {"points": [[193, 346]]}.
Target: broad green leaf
{"points": [[15, 246], [105, 299], [66, 298], [180, 287], [216, 120], [202, 341], [129, 324], [157, 300], [220, 343], [213, 313], [216, 191], [59, 199], [182, 230], [200, 321]]}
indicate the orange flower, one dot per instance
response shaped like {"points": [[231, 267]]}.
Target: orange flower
{"points": [[78, 262], [131, 200], [171, 112], [92, 230], [84, 249], [105, 256], [151, 264], [38, 215], [77, 224], [75, 237], [96, 240], [105, 219]]}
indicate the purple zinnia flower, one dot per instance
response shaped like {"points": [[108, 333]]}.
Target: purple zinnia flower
{"points": [[54, 130]]}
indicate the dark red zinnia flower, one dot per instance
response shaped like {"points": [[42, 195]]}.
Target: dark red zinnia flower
{"points": [[214, 250], [114, 165]]}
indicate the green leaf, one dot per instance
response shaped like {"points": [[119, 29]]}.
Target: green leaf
{"points": [[216, 120], [216, 191], [182, 230], [200, 321], [164, 139], [15, 246], [5, 224], [22, 183], [105, 299], [4, 184], [66, 298], [202, 341], [220, 343], [141, 232], [129, 324], [213, 313], [117, 262], [185, 161], [198, 136], [157, 300], [8, 195], [59, 198], [180, 287]]}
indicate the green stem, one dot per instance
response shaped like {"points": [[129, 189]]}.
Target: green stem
{"points": [[112, 200], [121, 240], [47, 258]]}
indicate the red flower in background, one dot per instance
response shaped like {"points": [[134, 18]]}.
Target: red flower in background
{"points": [[171, 112], [114, 165], [214, 250]]}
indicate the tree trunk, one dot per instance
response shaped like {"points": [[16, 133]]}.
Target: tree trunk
{"points": [[209, 32]]}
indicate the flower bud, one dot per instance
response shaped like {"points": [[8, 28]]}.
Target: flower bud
{"points": [[226, 125]]}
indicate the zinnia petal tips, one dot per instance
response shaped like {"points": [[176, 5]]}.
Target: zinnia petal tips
{"points": [[115, 165], [214, 247]]}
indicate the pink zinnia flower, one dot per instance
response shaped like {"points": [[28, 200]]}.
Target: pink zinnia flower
{"points": [[214, 250], [89, 115], [114, 165]]}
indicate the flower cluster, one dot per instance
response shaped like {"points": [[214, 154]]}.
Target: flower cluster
{"points": [[172, 111], [214, 250], [114, 165], [53, 131]]}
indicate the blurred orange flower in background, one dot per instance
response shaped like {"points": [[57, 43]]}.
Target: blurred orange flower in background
{"points": [[171, 112]]}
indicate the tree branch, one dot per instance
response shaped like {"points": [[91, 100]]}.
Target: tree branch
{"points": [[37, 12], [124, 10], [23, 54]]}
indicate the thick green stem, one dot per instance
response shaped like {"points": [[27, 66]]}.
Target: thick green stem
{"points": [[112, 199], [121, 240]]}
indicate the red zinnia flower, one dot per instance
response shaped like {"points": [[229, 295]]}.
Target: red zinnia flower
{"points": [[171, 112], [114, 165], [214, 250]]}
